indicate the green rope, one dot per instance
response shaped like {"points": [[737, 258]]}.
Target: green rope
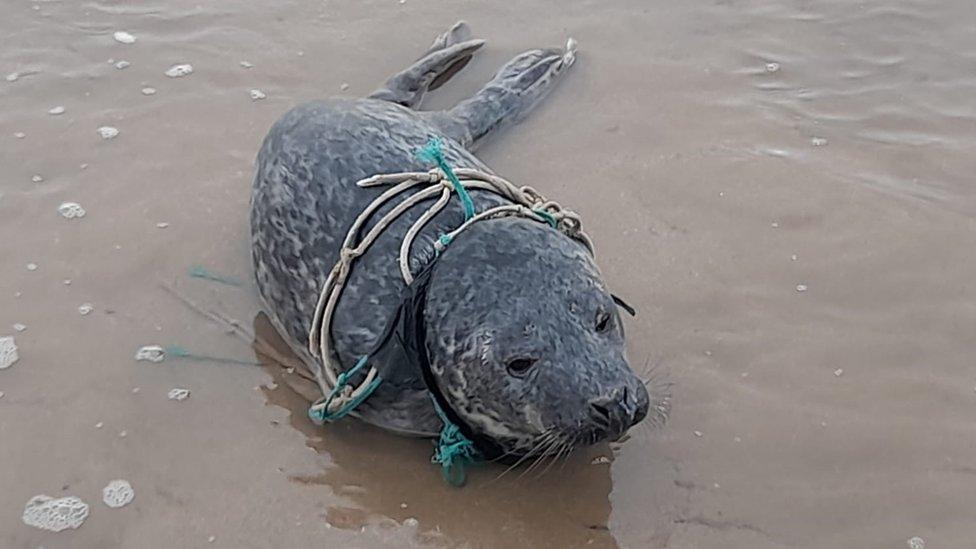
{"points": [[176, 351], [454, 451], [441, 244], [322, 414], [548, 217], [432, 153], [198, 271]]}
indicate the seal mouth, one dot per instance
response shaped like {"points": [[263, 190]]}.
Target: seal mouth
{"points": [[555, 444], [592, 436], [547, 444]]}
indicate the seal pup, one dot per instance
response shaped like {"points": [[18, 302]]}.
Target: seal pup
{"points": [[511, 328]]}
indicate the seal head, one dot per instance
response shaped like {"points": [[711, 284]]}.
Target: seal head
{"points": [[525, 343]]}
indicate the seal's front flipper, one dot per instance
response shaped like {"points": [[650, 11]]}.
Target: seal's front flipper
{"points": [[510, 95], [449, 53]]}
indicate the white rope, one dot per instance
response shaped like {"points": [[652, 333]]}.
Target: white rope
{"points": [[527, 203]]}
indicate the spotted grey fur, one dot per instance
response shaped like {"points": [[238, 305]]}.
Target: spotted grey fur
{"points": [[506, 290]]}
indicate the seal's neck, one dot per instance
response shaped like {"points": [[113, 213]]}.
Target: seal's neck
{"points": [[403, 354]]}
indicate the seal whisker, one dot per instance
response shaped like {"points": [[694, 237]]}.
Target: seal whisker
{"points": [[560, 448], [549, 456], [531, 466], [569, 451], [542, 455], [536, 443], [660, 390], [535, 451], [565, 452], [449, 313]]}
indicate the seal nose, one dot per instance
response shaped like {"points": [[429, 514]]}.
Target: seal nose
{"points": [[616, 412], [642, 401]]}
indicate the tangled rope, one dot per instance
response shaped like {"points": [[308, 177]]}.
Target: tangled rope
{"points": [[454, 450], [340, 396]]}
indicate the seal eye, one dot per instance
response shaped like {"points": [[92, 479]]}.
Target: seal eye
{"points": [[520, 366], [602, 322]]}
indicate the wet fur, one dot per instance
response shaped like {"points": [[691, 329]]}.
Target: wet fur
{"points": [[502, 288]]}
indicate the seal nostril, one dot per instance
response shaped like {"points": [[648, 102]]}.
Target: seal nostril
{"points": [[601, 411], [628, 402], [520, 366], [639, 402], [613, 413]]}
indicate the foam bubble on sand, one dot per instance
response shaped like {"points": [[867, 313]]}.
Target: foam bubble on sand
{"points": [[176, 71], [55, 515], [108, 132], [178, 393], [124, 37], [151, 353], [8, 352], [118, 493], [71, 210]]}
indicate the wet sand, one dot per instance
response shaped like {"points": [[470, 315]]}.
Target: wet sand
{"points": [[723, 156]]}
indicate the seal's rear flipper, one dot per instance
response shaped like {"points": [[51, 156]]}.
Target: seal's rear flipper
{"points": [[510, 95], [460, 32], [449, 53]]}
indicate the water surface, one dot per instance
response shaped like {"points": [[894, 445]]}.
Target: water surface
{"points": [[722, 153]]}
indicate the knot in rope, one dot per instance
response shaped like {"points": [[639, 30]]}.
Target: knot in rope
{"points": [[341, 398], [441, 244], [432, 153], [346, 255], [454, 451]]}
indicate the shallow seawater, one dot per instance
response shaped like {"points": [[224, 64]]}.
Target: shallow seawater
{"points": [[784, 189]]}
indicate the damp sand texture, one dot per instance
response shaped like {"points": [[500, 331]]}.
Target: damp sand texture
{"points": [[724, 155]]}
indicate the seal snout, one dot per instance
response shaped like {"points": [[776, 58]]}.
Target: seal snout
{"points": [[619, 410]]}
